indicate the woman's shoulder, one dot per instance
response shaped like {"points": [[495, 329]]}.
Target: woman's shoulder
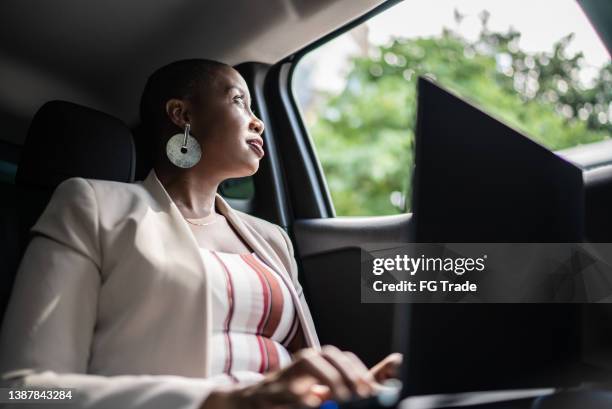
{"points": [[103, 184], [96, 196], [102, 189], [265, 228]]}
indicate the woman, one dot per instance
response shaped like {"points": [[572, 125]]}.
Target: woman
{"points": [[158, 294]]}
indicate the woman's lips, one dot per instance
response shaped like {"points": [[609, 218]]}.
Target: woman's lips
{"points": [[256, 148]]}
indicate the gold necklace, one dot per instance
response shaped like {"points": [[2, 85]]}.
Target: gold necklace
{"points": [[190, 221]]}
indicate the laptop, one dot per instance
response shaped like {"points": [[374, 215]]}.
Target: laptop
{"points": [[479, 180]]}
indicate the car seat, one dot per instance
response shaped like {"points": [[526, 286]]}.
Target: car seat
{"points": [[64, 140]]}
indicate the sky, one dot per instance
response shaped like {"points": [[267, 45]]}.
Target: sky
{"points": [[540, 22]]}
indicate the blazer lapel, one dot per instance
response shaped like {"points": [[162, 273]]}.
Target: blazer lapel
{"points": [[261, 248], [155, 187], [190, 251]]}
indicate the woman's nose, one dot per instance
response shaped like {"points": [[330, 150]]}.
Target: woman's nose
{"points": [[257, 125]]}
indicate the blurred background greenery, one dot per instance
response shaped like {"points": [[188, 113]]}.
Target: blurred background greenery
{"points": [[364, 134]]}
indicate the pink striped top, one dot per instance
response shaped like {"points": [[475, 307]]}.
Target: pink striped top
{"points": [[255, 326]]}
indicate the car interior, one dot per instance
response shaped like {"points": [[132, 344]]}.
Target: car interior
{"points": [[71, 77]]}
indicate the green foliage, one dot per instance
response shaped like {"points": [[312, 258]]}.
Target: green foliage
{"points": [[364, 135]]}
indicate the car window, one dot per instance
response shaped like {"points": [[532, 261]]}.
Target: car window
{"points": [[238, 188], [357, 93]]}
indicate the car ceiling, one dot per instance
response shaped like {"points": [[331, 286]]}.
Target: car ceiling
{"points": [[99, 53]]}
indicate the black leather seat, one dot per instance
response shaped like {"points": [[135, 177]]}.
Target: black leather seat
{"points": [[64, 140]]}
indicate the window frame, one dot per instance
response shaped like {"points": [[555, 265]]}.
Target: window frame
{"points": [[324, 200]]}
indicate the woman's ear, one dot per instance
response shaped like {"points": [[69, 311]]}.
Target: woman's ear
{"points": [[177, 111]]}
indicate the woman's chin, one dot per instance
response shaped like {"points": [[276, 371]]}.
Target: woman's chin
{"points": [[245, 166], [251, 168], [254, 169]]}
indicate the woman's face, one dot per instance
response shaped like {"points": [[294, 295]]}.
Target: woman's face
{"points": [[228, 131]]}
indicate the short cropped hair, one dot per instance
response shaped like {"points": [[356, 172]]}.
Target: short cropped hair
{"points": [[179, 79]]}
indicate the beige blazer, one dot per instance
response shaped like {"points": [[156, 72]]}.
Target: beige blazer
{"points": [[112, 298]]}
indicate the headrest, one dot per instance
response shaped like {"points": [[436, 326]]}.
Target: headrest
{"points": [[66, 140], [144, 152]]}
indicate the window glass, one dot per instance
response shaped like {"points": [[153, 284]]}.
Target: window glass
{"points": [[238, 188], [542, 70]]}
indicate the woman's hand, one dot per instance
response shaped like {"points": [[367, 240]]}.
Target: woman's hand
{"points": [[387, 368], [311, 378]]}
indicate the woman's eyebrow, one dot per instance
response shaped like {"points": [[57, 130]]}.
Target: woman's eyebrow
{"points": [[228, 89]]}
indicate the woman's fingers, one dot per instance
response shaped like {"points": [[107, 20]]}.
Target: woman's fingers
{"points": [[315, 376], [370, 380], [281, 390], [360, 364], [321, 391], [297, 390], [354, 372], [388, 367], [314, 364]]}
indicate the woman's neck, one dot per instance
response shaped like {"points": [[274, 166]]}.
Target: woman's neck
{"points": [[192, 193]]}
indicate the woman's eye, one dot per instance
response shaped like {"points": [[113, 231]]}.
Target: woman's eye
{"points": [[239, 98]]}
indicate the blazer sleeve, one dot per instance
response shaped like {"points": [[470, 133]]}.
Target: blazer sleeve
{"points": [[293, 270], [50, 319]]}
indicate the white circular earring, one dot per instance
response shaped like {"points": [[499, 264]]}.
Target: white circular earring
{"points": [[183, 150]]}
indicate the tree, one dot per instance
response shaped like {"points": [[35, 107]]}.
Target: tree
{"points": [[364, 134]]}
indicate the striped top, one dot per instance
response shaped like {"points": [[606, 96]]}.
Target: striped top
{"points": [[255, 325]]}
